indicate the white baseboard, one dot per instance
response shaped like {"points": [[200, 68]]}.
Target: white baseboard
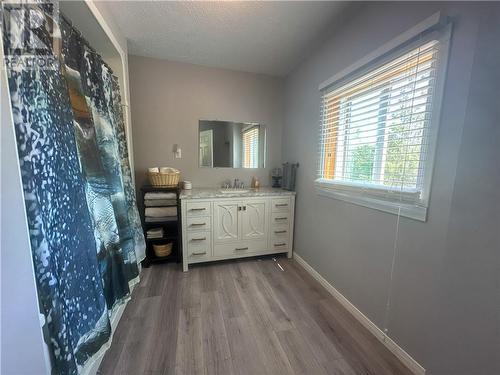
{"points": [[394, 348]]}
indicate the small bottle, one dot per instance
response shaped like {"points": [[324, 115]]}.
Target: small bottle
{"points": [[256, 183]]}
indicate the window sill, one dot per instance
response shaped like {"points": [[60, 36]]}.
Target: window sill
{"points": [[412, 211]]}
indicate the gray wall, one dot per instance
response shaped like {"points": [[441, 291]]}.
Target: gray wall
{"points": [[168, 99], [22, 347], [445, 308]]}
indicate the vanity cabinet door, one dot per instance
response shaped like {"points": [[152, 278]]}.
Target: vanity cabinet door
{"points": [[253, 220], [225, 221]]}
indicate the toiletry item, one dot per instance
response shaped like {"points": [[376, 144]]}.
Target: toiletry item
{"points": [[187, 185], [255, 183], [153, 170], [276, 177], [289, 175]]}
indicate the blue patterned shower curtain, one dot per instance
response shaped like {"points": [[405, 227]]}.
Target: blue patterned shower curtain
{"points": [[84, 226]]}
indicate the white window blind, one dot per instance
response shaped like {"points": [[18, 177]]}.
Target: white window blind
{"points": [[375, 129], [251, 147]]}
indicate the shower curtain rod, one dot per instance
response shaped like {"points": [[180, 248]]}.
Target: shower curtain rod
{"points": [[91, 49]]}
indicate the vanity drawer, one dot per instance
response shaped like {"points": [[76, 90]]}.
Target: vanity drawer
{"points": [[280, 218], [242, 247], [278, 244], [199, 245], [198, 252], [280, 205], [198, 238], [280, 231], [198, 223], [194, 209]]}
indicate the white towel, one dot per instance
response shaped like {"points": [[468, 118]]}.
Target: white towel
{"points": [[160, 219], [154, 231], [160, 202], [159, 195], [154, 234], [161, 211]]}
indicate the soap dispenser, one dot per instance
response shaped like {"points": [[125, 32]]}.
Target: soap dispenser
{"points": [[255, 182]]}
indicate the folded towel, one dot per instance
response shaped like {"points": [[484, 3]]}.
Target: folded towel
{"points": [[161, 211], [160, 195], [160, 219], [155, 231], [160, 202]]}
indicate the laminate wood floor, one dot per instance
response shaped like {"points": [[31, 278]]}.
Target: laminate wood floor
{"points": [[248, 317]]}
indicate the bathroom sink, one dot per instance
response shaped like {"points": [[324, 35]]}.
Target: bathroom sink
{"points": [[234, 191]]}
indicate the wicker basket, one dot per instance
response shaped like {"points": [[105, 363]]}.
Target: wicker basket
{"points": [[163, 250], [169, 178]]}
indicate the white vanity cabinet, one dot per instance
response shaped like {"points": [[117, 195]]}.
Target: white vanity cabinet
{"points": [[226, 219], [216, 227], [240, 220]]}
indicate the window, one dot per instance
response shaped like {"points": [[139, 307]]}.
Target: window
{"points": [[251, 147], [377, 132]]}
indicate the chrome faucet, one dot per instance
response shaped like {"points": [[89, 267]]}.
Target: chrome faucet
{"points": [[237, 184]]}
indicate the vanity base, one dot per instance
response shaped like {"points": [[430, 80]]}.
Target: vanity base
{"points": [[253, 223], [185, 266]]}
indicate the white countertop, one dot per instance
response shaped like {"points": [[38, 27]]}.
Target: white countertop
{"points": [[206, 193]]}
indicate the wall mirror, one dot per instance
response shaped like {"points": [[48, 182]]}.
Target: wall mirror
{"points": [[227, 144]]}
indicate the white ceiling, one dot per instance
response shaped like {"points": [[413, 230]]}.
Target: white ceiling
{"points": [[252, 36]]}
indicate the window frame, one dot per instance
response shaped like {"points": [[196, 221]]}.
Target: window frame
{"points": [[383, 198]]}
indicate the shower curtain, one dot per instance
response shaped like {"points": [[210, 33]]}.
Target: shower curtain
{"points": [[84, 227]]}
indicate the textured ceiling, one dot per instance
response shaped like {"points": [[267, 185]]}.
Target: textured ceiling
{"points": [[252, 36]]}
